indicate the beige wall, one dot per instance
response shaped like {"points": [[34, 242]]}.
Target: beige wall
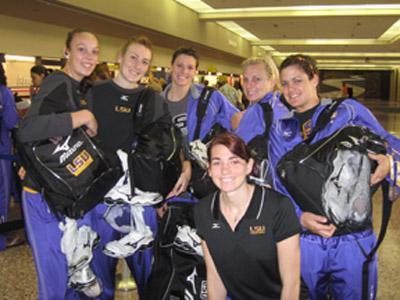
{"points": [[169, 17], [23, 37]]}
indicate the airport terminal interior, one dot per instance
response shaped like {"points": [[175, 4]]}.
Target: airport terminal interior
{"points": [[355, 43]]}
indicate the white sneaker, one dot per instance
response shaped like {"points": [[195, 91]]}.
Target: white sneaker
{"points": [[199, 152], [129, 244], [145, 198], [188, 241], [85, 281]]}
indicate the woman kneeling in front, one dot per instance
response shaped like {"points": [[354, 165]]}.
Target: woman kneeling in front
{"points": [[250, 234]]}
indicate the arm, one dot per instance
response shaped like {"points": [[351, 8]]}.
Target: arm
{"points": [[317, 224], [289, 267], [215, 287], [10, 115], [223, 109], [184, 179], [84, 117]]}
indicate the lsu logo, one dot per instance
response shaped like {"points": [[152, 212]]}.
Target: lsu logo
{"points": [[80, 163], [122, 109], [256, 230]]}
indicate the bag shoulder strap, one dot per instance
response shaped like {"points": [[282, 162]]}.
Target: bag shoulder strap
{"points": [[386, 212], [268, 113], [201, 109], [139, 110], [324, 118]]}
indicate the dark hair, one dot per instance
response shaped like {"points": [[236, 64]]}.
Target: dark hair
{"points": [[233, 142], [141, 40], [40, 70], [189, 51], [304, 62], [3, 77], [101, 72], [71, 35]]}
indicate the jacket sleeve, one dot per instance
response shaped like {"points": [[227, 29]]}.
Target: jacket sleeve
{"points": [[223, 109], [10, 115], [360, 115], [40, 126]]}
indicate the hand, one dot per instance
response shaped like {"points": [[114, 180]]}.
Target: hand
{"points": [[236, 118], [21, 173], [383, 168], [180, 186], [317, 224], [56, 140], [85, 117], [162, 210]]}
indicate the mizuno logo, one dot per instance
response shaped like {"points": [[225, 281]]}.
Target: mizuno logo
{"points": [[69, 151], [62, 147], [355, 140], [124, 98], [215, 226]]}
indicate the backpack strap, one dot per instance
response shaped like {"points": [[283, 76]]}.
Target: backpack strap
{"points": [[268, 113], [386, 212], [201, 109], [324, 118]]}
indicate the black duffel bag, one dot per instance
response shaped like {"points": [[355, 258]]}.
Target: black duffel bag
{"points": [[74, 173], [332, 176]]}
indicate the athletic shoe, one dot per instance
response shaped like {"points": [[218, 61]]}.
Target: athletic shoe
{"points": [[188, 241], [121, 194], [85, 281], [145, 198], [129, 244], [198, 151], [77, 245]]}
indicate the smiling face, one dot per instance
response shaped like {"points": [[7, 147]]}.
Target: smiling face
{"points": [[82, 55], [299, 90], [134, 64], [227, 170], [257, 82], [183, 70]]}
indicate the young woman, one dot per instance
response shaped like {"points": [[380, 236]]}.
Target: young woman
{"points": [[114, 104], [8, 120], [250, 233], [182, 97], [331, 261], [261, 87], [38, 73], [51, 117]]}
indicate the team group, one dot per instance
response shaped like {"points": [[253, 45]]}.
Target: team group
{"points": [[257, 242]]}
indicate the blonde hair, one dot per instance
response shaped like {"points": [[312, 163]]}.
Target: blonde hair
{"points": [[270, 68]]}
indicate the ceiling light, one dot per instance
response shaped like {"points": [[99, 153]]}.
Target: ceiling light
{"points": [[19, 58]]}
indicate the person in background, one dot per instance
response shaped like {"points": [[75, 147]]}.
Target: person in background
{"points": [[8, 121], [229, 91], [331, 259], [51, 116], [101, 72], [250, 234], [38, 73]]}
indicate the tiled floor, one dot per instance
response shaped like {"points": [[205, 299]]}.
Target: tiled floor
{"points": [[18, 279]]}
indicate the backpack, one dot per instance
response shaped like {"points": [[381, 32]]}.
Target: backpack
{"points": [[178, 272], [259, 150], [201, 184], [154, 160], [74, 174], [331, 178]]}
